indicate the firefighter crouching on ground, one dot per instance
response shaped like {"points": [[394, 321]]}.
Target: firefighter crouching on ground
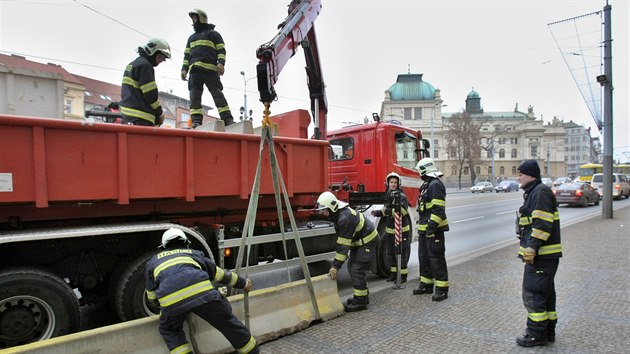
{"points": [[540, 249], [432, 224], [394, 190], [355, 234], [180, 278], [139, 103]]}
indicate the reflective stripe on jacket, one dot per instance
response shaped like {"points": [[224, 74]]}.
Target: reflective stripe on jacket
{"points": [[432, 207], [139, 92], [539, 221], [204, 49], [353, 230], [181, 278]]}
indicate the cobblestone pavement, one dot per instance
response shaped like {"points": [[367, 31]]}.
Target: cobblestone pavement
{"points": [[484, 312]]}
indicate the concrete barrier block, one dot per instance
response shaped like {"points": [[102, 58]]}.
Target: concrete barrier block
{"points": [[244, 127], [274, 312], [216, 125]]}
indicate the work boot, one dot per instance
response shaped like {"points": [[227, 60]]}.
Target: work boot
{"points": [[229, 121], [403, 278], [439, 296], [551, 335], [392, 277], [528, 341], [367, 299], [358, 303], [423, 289], [195, 125]]}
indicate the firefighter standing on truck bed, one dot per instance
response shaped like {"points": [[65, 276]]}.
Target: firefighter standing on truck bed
{"points": [[355, 234], [432, 224], [139, 103], [180, 278], [204, 56], [394, 191], [540, 249]]}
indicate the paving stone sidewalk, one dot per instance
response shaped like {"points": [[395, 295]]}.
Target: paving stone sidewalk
{"points": [[484, 312]]}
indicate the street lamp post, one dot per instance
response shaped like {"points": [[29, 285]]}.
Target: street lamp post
{"points": [[245, 81]]}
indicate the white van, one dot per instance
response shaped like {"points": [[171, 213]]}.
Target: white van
{"points": [[620, 185]]}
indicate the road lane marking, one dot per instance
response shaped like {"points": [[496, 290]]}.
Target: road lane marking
{"points": [[475, 218], [505, 212]]}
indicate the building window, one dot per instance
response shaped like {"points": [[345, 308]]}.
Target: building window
{"points": [[466, 170], [183, 118], [513, 153], [478, 170], [501, 153], [454, 170], [67, 107], [489, 170], [489, 154], [417, 113], [513, 170], [407, 113], [501, 170], [534, 151]]}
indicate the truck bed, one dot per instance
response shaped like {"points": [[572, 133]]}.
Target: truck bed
{"points": [[58, 169]]}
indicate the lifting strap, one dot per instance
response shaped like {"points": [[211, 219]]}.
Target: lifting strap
{"points": [[248, 229]]}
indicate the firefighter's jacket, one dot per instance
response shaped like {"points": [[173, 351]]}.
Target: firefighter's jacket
{"points": [[432, 207], [180, 280], [389, 210], [539, 221], [204, 50], [353, 231], [139, 92]]}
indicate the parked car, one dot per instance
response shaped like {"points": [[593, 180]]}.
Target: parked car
{"points": [[547, 181], [507, 186], [561, 180], [581, 194], [482, 187], [620, 185]]}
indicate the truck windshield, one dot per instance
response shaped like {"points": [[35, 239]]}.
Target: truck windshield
{"points": [[406, 150], [341, 149]]}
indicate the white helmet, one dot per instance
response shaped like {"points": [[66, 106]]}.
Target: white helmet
{"points": [[393, 174], [173, 234], [203, 17], [328, 200], [426, 167], [157, 45]]}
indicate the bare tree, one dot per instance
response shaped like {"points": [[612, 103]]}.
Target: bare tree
{"points": [[463, 138]]}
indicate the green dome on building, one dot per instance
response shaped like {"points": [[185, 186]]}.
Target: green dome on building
{"points": [[473, 94], [411, 87]]}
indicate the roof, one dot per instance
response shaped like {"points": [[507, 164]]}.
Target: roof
{"points": [[493, 115], [473, 94], [21, 62], [99, 92], [411, 87]]}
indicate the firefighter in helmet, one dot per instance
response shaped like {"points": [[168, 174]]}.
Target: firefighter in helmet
{"points": [[432, 224], [355, 235], [204, 58], [396, 196], [179, 279], [139, 103]]}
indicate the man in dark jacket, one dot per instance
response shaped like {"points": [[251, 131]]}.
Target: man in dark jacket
{"points": [[139, 103], [395, 195], [205, 58], [356, 235], [179, 278], [432, 223], [540, 249]]}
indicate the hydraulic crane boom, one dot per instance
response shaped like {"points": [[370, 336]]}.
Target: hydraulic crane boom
{"points": [[297, 30]]}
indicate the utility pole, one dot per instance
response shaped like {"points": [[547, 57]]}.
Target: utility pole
{"points": [[607, 82]]}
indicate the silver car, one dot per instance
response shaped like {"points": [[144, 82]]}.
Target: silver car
{"points": [[482, 187]]}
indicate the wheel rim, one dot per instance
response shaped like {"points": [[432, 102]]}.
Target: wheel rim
{"points": [[24, 319]]}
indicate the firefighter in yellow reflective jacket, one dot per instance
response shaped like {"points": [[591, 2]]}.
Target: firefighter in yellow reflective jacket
{"points": [[432, 224], [356, 235], [139, 103], [204, 57], [395, 195], [540, 249], [179, 278]]}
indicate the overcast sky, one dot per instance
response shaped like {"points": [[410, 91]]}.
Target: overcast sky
{"points": [[504, 49]]}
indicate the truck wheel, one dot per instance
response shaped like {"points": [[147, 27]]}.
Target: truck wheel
{"points": [[382, 263], [130, 301], [35, 305]]}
